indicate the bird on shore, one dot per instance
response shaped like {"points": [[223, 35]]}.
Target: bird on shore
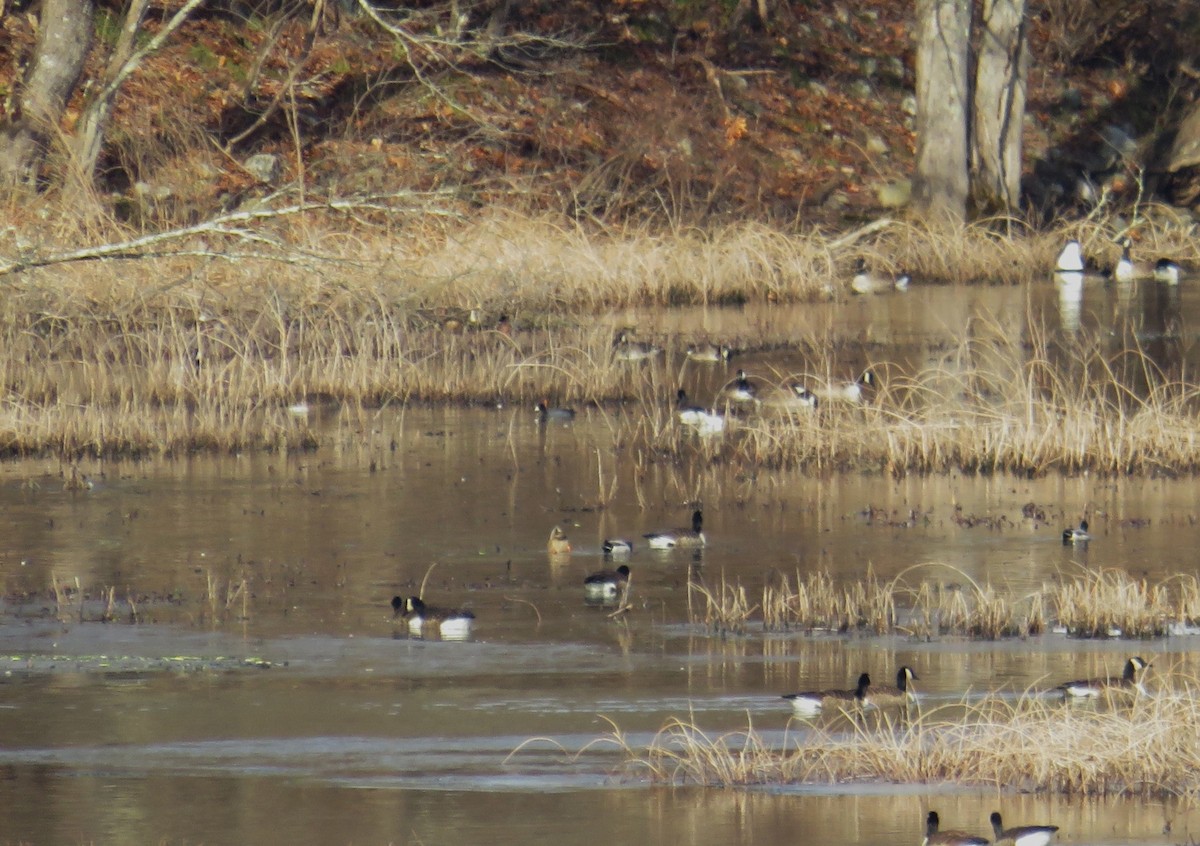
{"points": [[1130, 682], [901, 694], [547, 412], [606, 585], [558, 544], [1022, 835], [451, 623], [682, 538], [933, 837], [1078, 534], [809, 703]]}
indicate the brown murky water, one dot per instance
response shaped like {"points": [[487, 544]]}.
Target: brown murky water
{"points": [[159, 732]]}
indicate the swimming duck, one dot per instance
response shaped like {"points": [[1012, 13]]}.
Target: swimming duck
{"points": [[451, 623], [1167, 271], [933, 837], [606, 585], [851, 392], [866, 282], [1078, 534], [1130, 682], [1070, 259], [627, 349], [710, 353], [558, 543], [1022, 835], [548, 412], [617, 547], [809, 703], [672, 538], [901, 694], [706, 421], [741, 389]]}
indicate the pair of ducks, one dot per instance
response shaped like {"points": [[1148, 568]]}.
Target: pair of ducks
{"points": [[1022, 835], [683, 537], [1070, 263]]}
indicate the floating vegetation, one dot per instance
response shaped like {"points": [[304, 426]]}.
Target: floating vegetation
{"points": [[126, 664]]}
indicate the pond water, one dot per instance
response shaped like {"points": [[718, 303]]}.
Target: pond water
{"points": [[296, 708]]}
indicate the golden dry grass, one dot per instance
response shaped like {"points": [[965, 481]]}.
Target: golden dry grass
{"points": [[1034, 743]]}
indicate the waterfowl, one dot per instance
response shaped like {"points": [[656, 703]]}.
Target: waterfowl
{"points": [[1130, 682], [933, 837], [809, 703], [703, 419], [548, 412], [792, 397], [1078, 534], [451, 623], [672, 538], [1167, 271], [802, 396], [1070, 258], [1022, 835], [710, 353], [617, 547], [851, 392], [741, 389], [627, 349], [901, 694], [606, 584], [866, 282], [558, 543], [1127, 270]]}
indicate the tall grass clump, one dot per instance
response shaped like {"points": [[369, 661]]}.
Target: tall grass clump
{"points": [[814, 602]]}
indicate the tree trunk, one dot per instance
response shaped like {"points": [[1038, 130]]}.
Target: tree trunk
{"points": [[1000, 80], [940, 184], [64, 37]]}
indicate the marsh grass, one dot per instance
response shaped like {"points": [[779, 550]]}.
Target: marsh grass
{"points": [[1032, 743]]}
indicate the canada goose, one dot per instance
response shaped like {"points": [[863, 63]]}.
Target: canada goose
{"points": [[672, 538], [1077, 535], [617, 547], [704, 420], [866, 282], [803, 396], [1127, 270], [1130, 682], [606, 584], [741, 389], [627, 349], [809, 703], [1022, 835], [851, 392], [452, 623], [901, 694], [1167, 271], [558, 543], [548, 412], [710, 353], [1070, 259], [792, 397], [933, 837]]}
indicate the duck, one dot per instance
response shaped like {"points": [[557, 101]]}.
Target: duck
{"points": [[547, 412], [1167, 271], [901, 694], [606, 585], [1022, 835], [849, 392], [1070, 258], [1130, 682], [627, 349], [933, 837], [672, 538], [866, 282], [558, 544], [710, 353], [451, 623], [706, 421], [1079, 534], [741, 389], [617, 547], [809, 703]]}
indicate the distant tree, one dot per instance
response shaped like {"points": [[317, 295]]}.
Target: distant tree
{"points": [[969, 130]]}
